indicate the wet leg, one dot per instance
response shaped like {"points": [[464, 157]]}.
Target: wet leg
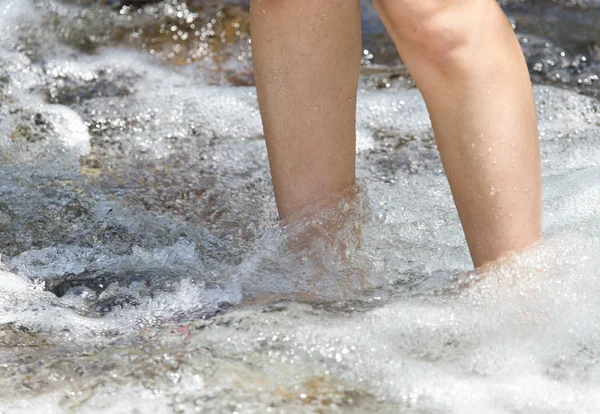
{"points": [[306, 61], [470, 69]]}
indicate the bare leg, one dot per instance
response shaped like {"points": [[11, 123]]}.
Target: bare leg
{"points": [[471, 72], [306, 61]]}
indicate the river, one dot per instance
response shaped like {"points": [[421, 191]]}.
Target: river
{"points": [[142, 267]]}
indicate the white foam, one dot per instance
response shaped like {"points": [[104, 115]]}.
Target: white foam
{"points": [[12, 282], [71, 129]]}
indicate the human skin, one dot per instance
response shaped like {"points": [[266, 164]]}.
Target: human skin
{"points": [[469, 67]]}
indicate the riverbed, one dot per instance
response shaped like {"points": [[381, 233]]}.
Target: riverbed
{"points": [[143, 268]]}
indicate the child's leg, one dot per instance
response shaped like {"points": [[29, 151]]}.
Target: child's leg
{"points": [[306, 61], [471, 71]]}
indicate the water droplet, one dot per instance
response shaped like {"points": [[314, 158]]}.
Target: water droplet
{"points": [[380, 216]]}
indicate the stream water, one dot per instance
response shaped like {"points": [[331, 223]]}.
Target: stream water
{"points": [[139, 237]]}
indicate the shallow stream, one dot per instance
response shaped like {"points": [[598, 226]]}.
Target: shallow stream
{"points": [[139, 239]]}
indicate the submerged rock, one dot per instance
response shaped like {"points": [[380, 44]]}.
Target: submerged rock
{"points": [[559, 38]]}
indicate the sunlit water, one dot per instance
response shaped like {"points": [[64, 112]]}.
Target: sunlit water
{"points": [[143, 269]]}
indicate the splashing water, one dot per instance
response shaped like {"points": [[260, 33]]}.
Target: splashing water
{"points": [[143, 267]]}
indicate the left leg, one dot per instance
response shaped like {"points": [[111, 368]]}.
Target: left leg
{"points": [[470, 69]]}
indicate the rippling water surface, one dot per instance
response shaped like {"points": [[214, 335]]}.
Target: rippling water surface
{"points": [[142, 268]]}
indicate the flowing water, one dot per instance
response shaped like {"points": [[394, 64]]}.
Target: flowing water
{"points": [[143, 268]]}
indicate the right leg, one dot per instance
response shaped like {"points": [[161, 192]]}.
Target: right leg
{"points": [[306, 57]]}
